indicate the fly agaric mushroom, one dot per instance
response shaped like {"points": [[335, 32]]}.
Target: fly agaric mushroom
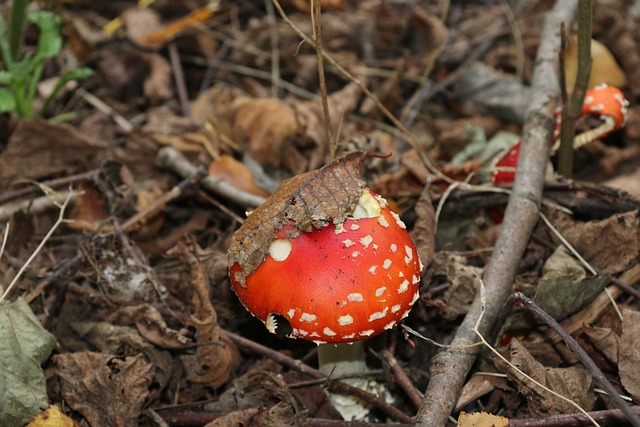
{"points": [[606, 102], [341, 283], [338, 284]]}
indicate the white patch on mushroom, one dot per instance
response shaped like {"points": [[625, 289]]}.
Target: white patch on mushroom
{"points": [[367, 207], [314, 335], [367, 333], [378, 315], [401, 274], [383, 221], [375, 247], [328, 332], [345, 320], [415, 279], [355, 297], [404, 287], [339, 228], [395, 308], [382, 201], [271, 323], [354, 227], [415, 297], [588, 99], [366, 241], [409, 253], [390, 325], [280, 249], [355, 254], [350, 336], [380, 291], [348, 243], [373, 269], [421, 264], [306, 317], [405, 314], [302, 332], [318, 342], [386, 264], [398, 220], [291, 313], [394, 248]]}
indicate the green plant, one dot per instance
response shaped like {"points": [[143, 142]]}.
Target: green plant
{"points": [[20, 77]]}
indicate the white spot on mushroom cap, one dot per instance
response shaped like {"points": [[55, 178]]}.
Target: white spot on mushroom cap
{"points": [[378, 315], [349, 336], [398, 220], [302, 332], [348, 243], [339, 229], [314, 335], [354, 227], [382, 201], [280, 249], [345, 320], [404, 286], [383, 221], [355, 297], [380, 291], [373, 269], [367, 333], [366, 241], [318, 342], [355, 254], [328, 332], [409, 253], [405, 314], [415, 279], [386, 264], [394, 248], [415, 297], [395, 308], [390, 325], [307, 317], [291, 313]]}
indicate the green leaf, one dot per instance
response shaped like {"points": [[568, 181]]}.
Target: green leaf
{"points": [[25, 345], [7, 101], [50, 40], [6, 77]]}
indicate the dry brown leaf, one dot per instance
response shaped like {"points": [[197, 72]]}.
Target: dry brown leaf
{"points": [[265, 124], [89, 209], [310, 201], [629, 361], [612, 244], [476, 387], [305, 5], [423, 233], [230, 170], [158, 84], [481, 419], [140, 22], [574, 383], [462, 279], [107, 390], [605, 340]]}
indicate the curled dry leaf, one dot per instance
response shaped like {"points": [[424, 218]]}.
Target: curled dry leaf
{"points": [[311, 201], [630, 353], [228, 169], [107, 390], [574, 382]]}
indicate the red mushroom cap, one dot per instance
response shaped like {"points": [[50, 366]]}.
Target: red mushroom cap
{"points": [[607, 102], [339, 283], [504, 171]]}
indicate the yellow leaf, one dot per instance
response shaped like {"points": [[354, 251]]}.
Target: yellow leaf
{"points": [[604, 68], [52, 417], [481, 419]]}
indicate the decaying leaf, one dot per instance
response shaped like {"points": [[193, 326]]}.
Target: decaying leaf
{"points": [[310, 201], [605, 340], [462, 279], [574, 383], [423, 232], [53, 417], [107, 390], [481, 419], [611, 244], [212, 364], [629, 361], [24, 346]]}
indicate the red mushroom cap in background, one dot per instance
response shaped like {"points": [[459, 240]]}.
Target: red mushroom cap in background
{"points": [[340, 283]]}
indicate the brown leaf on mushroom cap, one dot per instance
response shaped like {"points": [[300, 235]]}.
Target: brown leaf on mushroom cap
{"points": [[310, 201]]}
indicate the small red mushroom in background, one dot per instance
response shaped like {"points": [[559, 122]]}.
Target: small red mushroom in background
{"points": [[606, 102], [339, 284]]}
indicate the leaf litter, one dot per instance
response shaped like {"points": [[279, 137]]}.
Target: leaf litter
{"points": [[138, 329]]}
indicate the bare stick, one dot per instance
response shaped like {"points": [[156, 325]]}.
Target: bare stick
{"points": [[450, 367], [597, 374]]}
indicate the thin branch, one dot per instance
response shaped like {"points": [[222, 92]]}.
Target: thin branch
{"points": [[450, 367]]}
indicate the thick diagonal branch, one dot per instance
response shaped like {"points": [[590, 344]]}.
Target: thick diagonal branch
{"points": [[450, 367]]}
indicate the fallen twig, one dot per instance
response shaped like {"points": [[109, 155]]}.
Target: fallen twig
{"points": [[450, 367]]}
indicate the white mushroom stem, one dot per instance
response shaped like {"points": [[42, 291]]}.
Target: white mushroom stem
{"points": [[338, 360]]}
